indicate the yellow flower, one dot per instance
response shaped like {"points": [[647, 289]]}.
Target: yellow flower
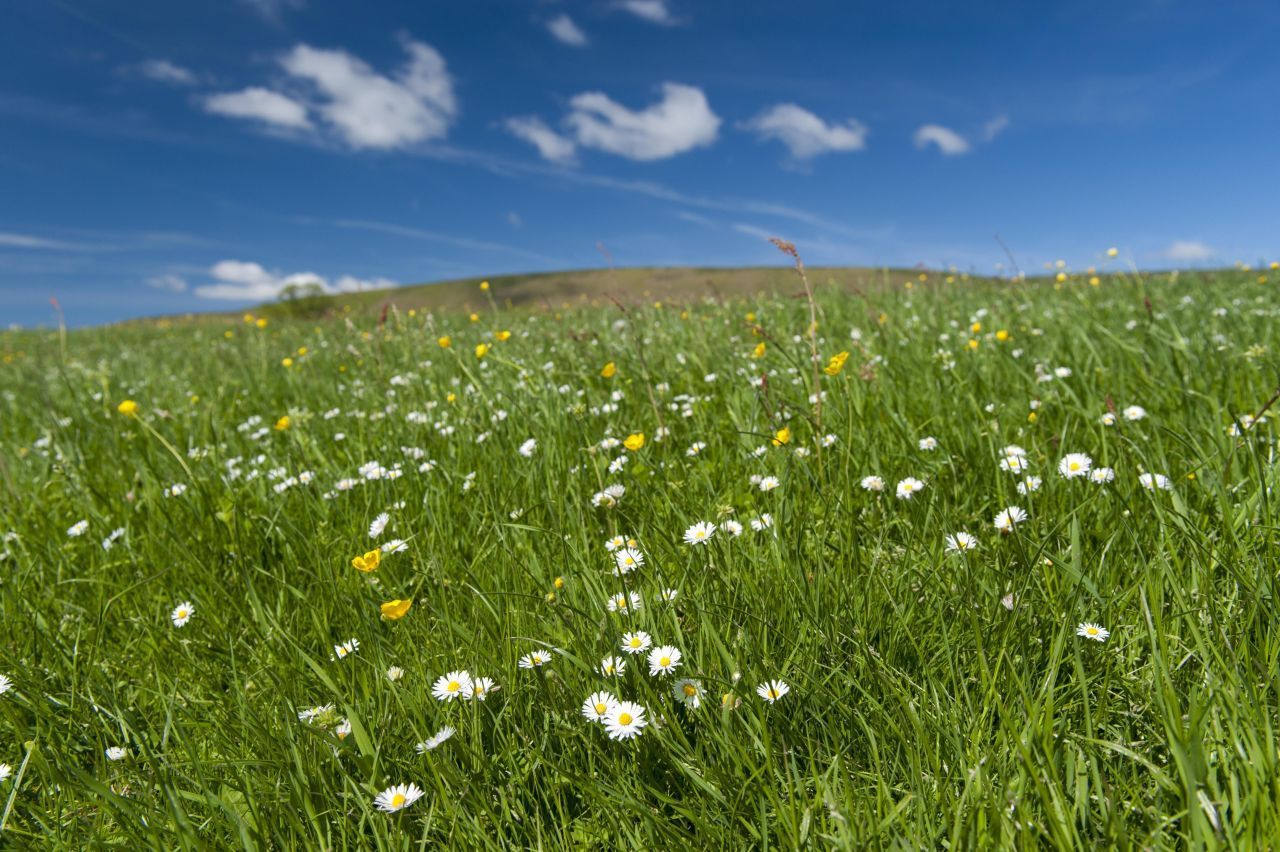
{"points": [[883, 318], [445, 342], [836, 364], [758, 352], [484, 286], [634, 441], [1031, 418], [1275, 264], [368, 562], [261, 323], [412, 312], [559, 583], [1002, 335], [1094, 281], [392, 610], [228, 334], [128, 408], [782, 436], [482, 349], [751, 316], [287, 362], [503, 335], [1113, 251], [248, 318], [973, 343], [923, 277], [976, 327], [1060, 277], [474, 318], [609, 370], [283, 423]]}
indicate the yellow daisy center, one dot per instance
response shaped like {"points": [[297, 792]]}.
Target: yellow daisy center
{"points": [[665, 661], [601, 708], [453, 686], [689, 691], [397, 800], [624, 719]]}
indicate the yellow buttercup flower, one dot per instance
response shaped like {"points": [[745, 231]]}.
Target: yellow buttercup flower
{"points": [[976, 327], [283, 423], [782, 436], [751, 316], [482, 349], [1094, 281], [609, 370], [286, 363], [248, 318], [836, 364], [634, 441], [973, 343], [368, 562], [451, 398], [1060, 277], [392, 610], [1002, 335], [128, 408], [261, 322], [1112, 252], [445, 342], [758, 352], [484, 286], [503, 335], [474, 318]]}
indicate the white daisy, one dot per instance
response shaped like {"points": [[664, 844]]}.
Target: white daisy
{"points": [[527, 448], [772, 690], [613, 666], [451, 686], [182, 614], [435, 740], [1102, 475], [1096, 632], [480, 688], [872, 483], [534, 659], [768, 483], [77, 529], [627, 560], [117, 753], [1007, 519], [1075, 464], [961, 542], [379, 524], [1134, 412], [397, 798], [1154, 481], [625, 720], [636, 643], [699, 533], [688, 692], [908, 487], [664, 660], [597, 706]]}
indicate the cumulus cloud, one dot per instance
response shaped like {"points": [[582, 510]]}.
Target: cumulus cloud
{"points": [[566, 31], [653, 11], [550, 144], [164, 71], [1189, 251], [948, 141], [369, 110], [168, 283], [806, 135], [363, 108], [680, 122], [241, 281], [258, 104]]}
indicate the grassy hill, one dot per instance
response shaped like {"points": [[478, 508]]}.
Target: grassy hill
{"points": [[583, 287]]}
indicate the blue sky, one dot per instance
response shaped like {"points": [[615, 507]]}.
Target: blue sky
{"points": [[160, 157]]}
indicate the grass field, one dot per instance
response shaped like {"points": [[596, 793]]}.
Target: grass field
{"points": [[210, 531]]}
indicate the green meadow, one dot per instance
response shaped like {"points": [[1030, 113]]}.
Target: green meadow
{"points": [[924, 561]]}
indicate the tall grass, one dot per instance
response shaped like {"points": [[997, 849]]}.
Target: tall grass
{"points": [[936, 698]]}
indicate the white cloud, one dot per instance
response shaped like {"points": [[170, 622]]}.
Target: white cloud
{"points": [[994, 127], [680, 122], [948, 141], [1189, 251], [566, 31], [170, 283], [370, 110], [11, 240], [550, 144], [260, 104], [364, 108], [654, 11], [273, 10], [164, 71], [514, 220], [806, 135], [241, 281]]}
